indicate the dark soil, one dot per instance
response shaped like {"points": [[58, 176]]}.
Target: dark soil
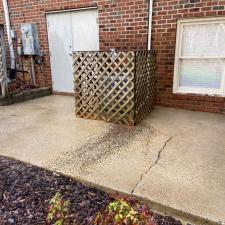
{"points": [[25, 192]]}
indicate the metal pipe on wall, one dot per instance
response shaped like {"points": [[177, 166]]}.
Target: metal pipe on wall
{"points": [[4, 88], [33, 76], [8, 27], [150, 24], [3, 76]]}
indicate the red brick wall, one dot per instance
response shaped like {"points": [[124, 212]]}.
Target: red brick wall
{"points": [[165, 16], [123, 23], [124, 26]]}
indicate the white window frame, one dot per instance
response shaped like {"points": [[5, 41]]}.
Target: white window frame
{"points": [[176, 81]]}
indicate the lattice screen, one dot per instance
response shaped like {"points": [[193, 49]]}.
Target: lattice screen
{"points": [[1, 71], [1, 66], [145, 84], [106, 85]]}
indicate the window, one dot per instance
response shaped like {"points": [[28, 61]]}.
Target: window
{"points": [[200, 57]]}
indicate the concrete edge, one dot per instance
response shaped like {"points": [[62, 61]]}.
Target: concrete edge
{"points": [[184, 217], [25, 95]]}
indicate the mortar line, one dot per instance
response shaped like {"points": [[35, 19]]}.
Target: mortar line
{"points": [[152, 165]]}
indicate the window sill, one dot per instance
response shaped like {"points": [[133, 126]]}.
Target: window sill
{"points": [[198, 93]]}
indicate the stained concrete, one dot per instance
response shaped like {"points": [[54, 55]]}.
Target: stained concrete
{"points": [[175, 159]]}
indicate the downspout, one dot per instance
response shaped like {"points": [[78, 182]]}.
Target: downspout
{"points": [[8, 28], [150, 24]]}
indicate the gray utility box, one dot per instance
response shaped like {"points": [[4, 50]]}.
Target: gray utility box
{"points": [[30, 39]]}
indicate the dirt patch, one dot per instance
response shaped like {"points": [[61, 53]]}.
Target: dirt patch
{"points": [[98, 148]]}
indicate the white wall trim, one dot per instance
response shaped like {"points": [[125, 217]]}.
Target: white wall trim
{"points": [[71, 10], [8, 28], [150, 24], [202, 20]]}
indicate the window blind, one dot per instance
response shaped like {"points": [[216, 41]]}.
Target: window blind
{"points": [[201, 73]]}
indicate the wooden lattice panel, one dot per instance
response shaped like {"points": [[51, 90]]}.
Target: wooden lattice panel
{"points": [[145, 79], [104, 86], [115, 87], [1, 67]]}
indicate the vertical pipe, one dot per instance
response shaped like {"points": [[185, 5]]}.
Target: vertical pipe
{"points": [[150, 24], [4, 82], [33, 71], [8, 27], [4, 87]]}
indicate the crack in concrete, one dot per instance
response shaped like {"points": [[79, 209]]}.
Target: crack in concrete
{"points": [[152, 165]]}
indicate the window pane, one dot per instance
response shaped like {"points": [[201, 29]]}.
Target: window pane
{"points": [[203, 40], [201, 73]]}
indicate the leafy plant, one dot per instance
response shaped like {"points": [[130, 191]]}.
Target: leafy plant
{"points": [[57, 211], [120, 212]]}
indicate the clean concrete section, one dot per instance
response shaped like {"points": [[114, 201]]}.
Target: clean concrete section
{"points": [[174, 158]]}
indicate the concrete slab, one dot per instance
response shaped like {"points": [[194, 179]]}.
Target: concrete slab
{"points": [[174, 158]]}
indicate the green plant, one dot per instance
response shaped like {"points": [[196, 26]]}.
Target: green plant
{"points": [[57, 211], [120, 212]]}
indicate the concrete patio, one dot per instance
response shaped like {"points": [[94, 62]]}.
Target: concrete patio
{"points": [[175, 159]]}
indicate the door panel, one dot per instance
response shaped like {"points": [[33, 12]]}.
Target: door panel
{"points": [[60, 44], [68, 32], [85, 30]]}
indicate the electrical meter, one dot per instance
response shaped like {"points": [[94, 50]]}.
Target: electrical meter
{"points": [[30, 39]]}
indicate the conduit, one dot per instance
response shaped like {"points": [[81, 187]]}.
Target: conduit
{"points": [[150, 24], [8, 27]]}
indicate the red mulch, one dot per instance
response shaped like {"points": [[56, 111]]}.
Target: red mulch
{"points": [[25, 192]]}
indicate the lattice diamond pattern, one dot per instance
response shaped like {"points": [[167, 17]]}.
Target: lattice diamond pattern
{"points": [[105, 85], [1, 67], [145, 84]]}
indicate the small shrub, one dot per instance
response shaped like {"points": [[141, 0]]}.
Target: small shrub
{"points": [[57, 211], [120, 212]]}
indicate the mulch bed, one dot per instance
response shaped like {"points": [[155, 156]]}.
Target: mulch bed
{"points": [[25, 192]]}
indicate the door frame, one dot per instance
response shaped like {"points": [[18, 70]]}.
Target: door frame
{"points": [[46, 24], [69, 10]]}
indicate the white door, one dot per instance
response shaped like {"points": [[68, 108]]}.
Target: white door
{"points": [[68, 32], [85, 30]]}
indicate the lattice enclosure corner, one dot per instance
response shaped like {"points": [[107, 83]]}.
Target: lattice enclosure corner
{"points": [[115, 87], [1, 67]]}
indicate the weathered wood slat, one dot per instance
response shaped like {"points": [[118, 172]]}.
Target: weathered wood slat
{"points": [[1, 67]]}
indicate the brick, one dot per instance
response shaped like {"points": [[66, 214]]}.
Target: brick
{"points": [[163, 40], [124, 26]]}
